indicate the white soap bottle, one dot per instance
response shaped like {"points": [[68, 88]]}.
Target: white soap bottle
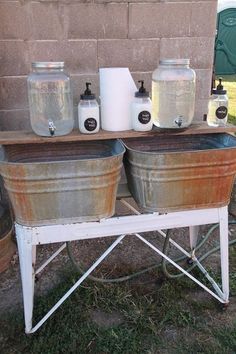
{"points": [[218, 107], [141, 109], [88, 112]]}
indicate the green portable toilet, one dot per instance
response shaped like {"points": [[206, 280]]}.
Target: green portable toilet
{"points": [[225, 46]]}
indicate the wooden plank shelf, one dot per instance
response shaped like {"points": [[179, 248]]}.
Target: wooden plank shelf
{"points": [[28, 137]]}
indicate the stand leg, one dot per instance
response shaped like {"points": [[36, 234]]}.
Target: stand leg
{"points": [[193, 236], [224, 251], [33, 255], [27, 255]]}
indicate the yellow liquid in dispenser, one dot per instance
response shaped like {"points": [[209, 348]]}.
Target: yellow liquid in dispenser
{"points": [[173, 103]]}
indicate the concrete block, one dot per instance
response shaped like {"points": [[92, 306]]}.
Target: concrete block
{"points": [[13, 93], [201, 108], [202, 1], [131, 1], [15, 20], [15, 120], [78, 85], [47, 20], [146, 77], [200, 50], [14, 58], [203, 83], [203, 19], [159, 20], [97, 20], [79, 56], [138, 55]]}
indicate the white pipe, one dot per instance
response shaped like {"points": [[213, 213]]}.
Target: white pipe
{"points": [[73, 288], [129, 206], [180, 268], [50, 259], [211, 280], [159, 231]]}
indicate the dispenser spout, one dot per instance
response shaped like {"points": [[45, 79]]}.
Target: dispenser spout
{"points": [[179, 121], [51, 127]]}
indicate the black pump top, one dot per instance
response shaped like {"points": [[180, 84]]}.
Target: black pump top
{"points": [[219, 90], [142, 91], [87, 95]]}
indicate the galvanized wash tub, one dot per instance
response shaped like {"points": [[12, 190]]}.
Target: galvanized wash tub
{"points": [[170, 173], [62, 182]]}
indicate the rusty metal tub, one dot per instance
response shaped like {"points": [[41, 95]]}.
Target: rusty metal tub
{"points": [[62, 182], [169, 173]]}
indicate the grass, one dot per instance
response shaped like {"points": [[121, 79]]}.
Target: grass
{"points": [[229, 82], [165, 317], [72, 331]]}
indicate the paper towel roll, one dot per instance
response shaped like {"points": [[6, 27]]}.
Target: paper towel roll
{"points": [[117, 89]]}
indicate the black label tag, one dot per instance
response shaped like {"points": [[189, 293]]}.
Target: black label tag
{"points": [[144, 117], [90, 124], [221, 112]]}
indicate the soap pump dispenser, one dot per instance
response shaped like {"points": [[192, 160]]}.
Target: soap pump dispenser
{"points": [[88, 112], [141, 110], [218, 107]]}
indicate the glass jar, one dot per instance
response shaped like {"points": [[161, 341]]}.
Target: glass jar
{"points": [[88, 112], [173, 94], [50, 99], [141, 108], [217, 111], [218, 107]]}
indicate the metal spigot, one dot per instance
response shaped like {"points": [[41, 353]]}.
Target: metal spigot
{"points": [[179, 121], [51, 127]]}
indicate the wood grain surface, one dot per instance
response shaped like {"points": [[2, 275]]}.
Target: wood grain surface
{"points": [[28, 137]]}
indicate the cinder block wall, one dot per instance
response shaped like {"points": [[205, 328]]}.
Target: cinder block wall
{"points": [[100, 33]]}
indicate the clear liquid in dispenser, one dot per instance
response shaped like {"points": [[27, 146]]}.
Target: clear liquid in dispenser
{"points": [[51, 108], [173, 103], [50, 99]]}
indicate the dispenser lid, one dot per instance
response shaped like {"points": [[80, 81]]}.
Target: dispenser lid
{"points": [[48, 64], [219, 90], [142, 91], [88, 95], [174, 62]]}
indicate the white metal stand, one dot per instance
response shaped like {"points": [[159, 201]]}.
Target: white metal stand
{"points": [[29, 237]]}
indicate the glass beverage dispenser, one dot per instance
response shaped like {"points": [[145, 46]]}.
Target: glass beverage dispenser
{"points": [[173, 94], [50, 99]]}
